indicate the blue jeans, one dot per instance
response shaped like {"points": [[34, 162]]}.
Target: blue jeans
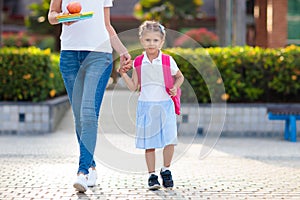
{"points": [[85, 76]]}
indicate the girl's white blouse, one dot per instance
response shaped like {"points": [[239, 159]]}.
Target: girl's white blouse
{"points": [[152, 79]]}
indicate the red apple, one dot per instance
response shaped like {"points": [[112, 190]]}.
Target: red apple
{"points": [[74, 7]]}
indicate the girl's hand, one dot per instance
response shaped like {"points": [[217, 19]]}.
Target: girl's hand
{"points": [[120, 71], [173, 91]]}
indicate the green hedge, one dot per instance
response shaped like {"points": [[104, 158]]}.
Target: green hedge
{"points": [[249, 74], [29, 74]]}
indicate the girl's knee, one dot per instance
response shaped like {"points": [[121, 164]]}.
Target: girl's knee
{"points": [[169, 146], [150, 150]]}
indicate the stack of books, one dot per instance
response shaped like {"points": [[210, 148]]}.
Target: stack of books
{"points": [[74, 17]]}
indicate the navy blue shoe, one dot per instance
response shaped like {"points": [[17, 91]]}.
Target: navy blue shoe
{"points": [[153, 182], [167, 179]]}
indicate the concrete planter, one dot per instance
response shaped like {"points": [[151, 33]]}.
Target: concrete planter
{"points": [[240, 120], [28, 117]]}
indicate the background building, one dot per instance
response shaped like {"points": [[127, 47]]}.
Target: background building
{"points": [[265, 23]]}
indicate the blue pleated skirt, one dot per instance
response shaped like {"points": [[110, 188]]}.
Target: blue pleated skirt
{"points": [[155, 124]]}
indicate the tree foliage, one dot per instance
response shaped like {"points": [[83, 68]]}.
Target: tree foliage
{"points": [[37, 21], [167, 10]]}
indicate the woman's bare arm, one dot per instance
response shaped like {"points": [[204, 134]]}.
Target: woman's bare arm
{"points": [[115, 41], [54, 11]]}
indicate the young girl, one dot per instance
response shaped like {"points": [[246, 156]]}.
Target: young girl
{"points": [[156, 119]]}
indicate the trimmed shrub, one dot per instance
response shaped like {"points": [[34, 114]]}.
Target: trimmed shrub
{"points": [[29, 74], [23, 39], [20, 39], [249, 74]]}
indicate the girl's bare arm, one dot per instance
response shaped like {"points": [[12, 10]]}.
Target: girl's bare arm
{"points": [[179, 78], [132, 83]]}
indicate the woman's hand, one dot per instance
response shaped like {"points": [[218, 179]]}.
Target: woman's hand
{"points": [[69, 23]]}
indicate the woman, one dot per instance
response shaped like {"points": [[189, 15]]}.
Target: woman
{"points": [[86, 65]]}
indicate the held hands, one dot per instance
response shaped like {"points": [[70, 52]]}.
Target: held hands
{"points": [[125, 67], [125, 63]]}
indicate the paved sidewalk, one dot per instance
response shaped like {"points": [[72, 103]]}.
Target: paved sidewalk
{"points": [[44, 166]]}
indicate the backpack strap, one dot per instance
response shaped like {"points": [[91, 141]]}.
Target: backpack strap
{"points": [[138, 64], [169, 82]]}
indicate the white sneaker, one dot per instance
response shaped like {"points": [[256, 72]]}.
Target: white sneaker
{"points": [[92, 177], [80, 183]]}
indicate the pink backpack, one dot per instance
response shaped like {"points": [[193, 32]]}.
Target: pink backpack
{"points": [[169, 81]]}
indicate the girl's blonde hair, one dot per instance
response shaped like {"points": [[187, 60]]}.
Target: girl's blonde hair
{"points": [[152, 26]]}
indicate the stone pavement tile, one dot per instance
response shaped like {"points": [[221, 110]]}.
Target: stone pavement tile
{"points": [[218, 176], [44, 167]]}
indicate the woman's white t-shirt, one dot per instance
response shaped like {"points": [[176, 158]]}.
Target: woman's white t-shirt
{"points": [[152, 79], [89, 34]]}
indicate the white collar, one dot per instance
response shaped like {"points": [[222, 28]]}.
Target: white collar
{"points": [[146, 59]]}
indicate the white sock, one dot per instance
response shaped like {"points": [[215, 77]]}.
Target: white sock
{"points": [[164, 168], [152, 173]]}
